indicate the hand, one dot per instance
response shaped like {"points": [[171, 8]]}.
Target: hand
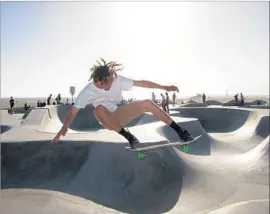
{"points": [[63, 132], [170, 88]]}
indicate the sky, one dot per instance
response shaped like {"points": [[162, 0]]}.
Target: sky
{"points": [[210, 47]]}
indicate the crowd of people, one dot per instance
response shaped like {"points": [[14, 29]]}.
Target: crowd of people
{"points": [[57, 101], [242, 100], [165, 101], [40, 103]]}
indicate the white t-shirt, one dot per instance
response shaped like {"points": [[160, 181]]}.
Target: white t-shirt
{"points": [[109, 99]]}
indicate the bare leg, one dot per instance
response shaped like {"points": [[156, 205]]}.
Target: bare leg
{"points": [[160, 114], [107, 119], [149, 106], [112, 121], [125, 113]]}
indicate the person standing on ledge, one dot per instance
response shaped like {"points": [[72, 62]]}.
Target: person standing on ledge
{"points": [[105, 91]]}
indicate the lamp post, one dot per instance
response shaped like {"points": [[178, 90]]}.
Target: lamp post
{"points": [[72, 91]]}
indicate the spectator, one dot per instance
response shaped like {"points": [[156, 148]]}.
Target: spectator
{"points": [[203, 97], [167, 102], [58, 99], [25, 106], [11, 102], [163, 102], [242, 98], [236, 102], [173, 98], [49, 99], [153, 97]]}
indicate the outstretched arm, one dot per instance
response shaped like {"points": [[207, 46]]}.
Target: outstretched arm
{"points": [[70, 117], [149, 84]]}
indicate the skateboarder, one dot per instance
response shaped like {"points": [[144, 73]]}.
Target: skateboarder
{"points": [[105, 92]]}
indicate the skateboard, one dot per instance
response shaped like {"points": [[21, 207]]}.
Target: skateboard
{"points": [[142, 150]]}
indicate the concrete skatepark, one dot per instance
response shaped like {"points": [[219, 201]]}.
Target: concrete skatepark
{"points": [[89, 171]]}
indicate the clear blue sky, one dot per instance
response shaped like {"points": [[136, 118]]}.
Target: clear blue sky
{"points": [[206, 47]]}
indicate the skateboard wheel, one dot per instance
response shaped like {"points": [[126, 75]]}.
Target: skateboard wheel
{"points": [[141, 155], [185, 148]]}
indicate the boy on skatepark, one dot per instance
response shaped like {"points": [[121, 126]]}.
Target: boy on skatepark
{"points": [[105, 92]]}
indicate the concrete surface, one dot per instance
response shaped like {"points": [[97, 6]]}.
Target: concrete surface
{"points": [[89, 171]]}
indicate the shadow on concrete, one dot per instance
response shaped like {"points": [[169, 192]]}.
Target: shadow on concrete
{"points": [[4, 128], [262, 128], [102, 172], [26, 113]]}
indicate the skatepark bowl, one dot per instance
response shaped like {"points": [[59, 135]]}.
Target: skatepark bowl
{"points": [[90, 171]]}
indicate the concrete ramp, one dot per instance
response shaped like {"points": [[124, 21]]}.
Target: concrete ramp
{"points": [[33, 201], [200, 147], [35, 117], [259, 153], [218, 120], [246, 207], [55, 117], [93, 173], [256, 163], [229, 123], [254, 126], [104, 173]]}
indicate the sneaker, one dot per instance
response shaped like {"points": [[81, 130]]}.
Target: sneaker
{"points": [[185, 136], [133, 141]]}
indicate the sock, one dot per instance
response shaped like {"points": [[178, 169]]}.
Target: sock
{"points": [[176, 128], [124, 133]]}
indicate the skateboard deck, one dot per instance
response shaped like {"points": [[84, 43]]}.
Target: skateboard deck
{"points": [[146, 148]]}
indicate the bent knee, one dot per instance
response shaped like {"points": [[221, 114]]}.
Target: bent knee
{"points": [[146, 104], [99, 110]]}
